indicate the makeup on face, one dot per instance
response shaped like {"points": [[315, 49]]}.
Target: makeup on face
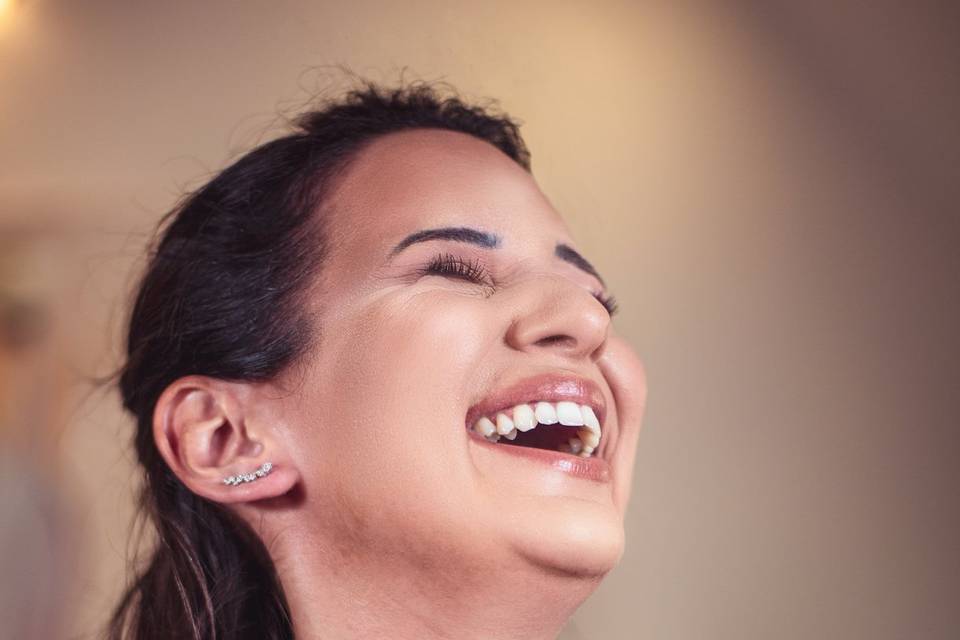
{"points": [[457, 399], [450, 264], [554, 418]]}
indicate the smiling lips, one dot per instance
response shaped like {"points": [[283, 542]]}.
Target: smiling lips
{"points": [[523, 418], [549, 417]]}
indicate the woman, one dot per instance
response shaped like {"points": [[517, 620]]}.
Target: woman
{"points": [[377, 391]]}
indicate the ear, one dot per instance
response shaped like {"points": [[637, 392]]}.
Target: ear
{"points": [[208, 429]]}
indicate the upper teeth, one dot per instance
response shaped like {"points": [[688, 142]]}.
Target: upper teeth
{"points": [[523, 417]]}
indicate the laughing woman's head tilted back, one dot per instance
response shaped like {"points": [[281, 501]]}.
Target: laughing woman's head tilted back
{"points": [[377, 390]]}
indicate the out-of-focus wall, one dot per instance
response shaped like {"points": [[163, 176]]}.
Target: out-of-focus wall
{"points": [[770, 188]]}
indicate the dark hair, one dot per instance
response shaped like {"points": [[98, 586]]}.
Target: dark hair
{"points": [[220, 297]]}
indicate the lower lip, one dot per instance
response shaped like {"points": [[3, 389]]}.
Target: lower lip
{"points": [[595, 469]]}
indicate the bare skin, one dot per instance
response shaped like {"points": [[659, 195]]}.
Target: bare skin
{"points": [[385, 515]]}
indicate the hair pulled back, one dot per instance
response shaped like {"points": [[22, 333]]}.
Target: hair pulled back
{"points": [[221, 297]]}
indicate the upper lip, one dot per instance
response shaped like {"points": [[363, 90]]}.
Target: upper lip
{"points": [[549, 387]]}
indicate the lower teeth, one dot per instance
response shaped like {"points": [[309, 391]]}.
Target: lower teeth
{"points": [[575, 446], [583, 444]]}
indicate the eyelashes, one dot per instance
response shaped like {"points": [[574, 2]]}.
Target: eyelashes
{"points": [[452, 266], [449, 265], [609, 302]]}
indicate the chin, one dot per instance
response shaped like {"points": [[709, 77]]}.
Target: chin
{"points": [[578, 539]]}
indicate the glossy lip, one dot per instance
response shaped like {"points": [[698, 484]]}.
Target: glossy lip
{"points": [[550, 387]]}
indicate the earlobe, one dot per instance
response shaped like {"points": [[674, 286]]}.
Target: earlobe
{"points": [[203, 428]]}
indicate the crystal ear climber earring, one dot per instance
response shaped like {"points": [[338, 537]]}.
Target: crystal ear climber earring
{"points": [[264, 470]]}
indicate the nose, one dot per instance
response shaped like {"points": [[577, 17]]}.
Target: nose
{"points": [[559, 316]]}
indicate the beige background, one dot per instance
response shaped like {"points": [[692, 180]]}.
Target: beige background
{"points": [[771, 188]]}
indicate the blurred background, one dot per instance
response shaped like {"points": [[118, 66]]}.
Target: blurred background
{"points": [[771, 188]]}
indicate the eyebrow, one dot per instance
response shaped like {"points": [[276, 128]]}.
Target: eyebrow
{"points": [[569, 254], [489, 240], [457, 234]]}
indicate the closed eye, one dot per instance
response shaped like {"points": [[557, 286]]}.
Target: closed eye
{"points": [[453, 266]]}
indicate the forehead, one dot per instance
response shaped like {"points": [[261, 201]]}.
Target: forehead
{"points": [[420, 179]]}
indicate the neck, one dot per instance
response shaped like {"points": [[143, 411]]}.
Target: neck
{"points": [[336, 594]]}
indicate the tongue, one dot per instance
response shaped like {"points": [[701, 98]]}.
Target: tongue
{"points": [[549, 437]]}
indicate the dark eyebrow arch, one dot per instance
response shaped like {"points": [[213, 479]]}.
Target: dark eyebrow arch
{"points": [[457, 234], [569, 254]]}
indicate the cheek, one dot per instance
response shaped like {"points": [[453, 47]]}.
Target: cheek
{"points": [[420, 333], [422, 351], [389, 396]]}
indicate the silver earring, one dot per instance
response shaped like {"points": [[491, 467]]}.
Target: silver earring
{"points": [[264, 470]]}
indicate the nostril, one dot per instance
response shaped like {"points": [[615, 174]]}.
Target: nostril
{"points": [[557, 341]]}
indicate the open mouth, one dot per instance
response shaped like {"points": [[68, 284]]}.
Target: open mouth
{"points": [[565, 427]]}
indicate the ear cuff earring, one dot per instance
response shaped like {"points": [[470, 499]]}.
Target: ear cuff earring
{"points": [[264, 470]]}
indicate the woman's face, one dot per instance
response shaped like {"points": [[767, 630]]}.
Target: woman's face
{"points": [[451, 293]]}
